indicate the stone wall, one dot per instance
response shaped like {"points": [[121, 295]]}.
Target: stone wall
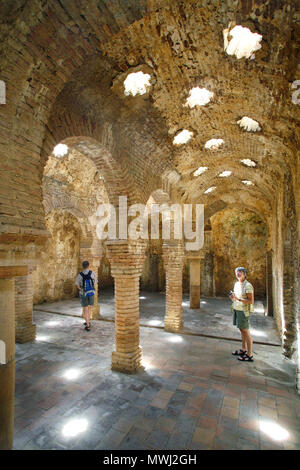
{"points": [[239, 239], [55, 275]]}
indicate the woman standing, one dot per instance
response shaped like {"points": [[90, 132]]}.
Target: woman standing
{"points": [[243, 302]]}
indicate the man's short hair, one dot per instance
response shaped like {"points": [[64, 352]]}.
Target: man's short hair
{"points": [[241, 269], [85, 264]]}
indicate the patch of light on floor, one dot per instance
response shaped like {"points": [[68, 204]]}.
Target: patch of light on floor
{"points": [[225, 174], [249, 124], [142, 297], [147, 364], [213, 144], [75, 427], [248, 162], [259, 309], [183, 137], [71, 374], [273, 430], [257, 332], [243, 42], [154, 322], [247, 183], [137, 83], [60, 150], [198, 97], [52, 323], [185, 304], [42, 338], [209, 190], [175, 339], [203, 302], [200, 170]]}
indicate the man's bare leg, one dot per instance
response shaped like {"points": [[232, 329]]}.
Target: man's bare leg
{"points": [[90, 314], [86, 315]]}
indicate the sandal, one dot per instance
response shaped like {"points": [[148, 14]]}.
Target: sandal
{"points": [[239, 353], [88, 328], [246, 358]]}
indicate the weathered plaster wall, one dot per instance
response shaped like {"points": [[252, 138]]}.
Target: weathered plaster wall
{"points": [[55, 275], [239, 239]]}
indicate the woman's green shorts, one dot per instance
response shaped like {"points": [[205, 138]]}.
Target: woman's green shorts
{"points": [[240, 320]]}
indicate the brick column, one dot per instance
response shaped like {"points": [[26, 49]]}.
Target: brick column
{"points": [[85, 255], [269, 291], [195, 267], [25, 328], [7, 352], [173, 258], [126, 258]]}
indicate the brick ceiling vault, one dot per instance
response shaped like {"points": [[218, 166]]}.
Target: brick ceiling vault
{"points": [[63, 61]]}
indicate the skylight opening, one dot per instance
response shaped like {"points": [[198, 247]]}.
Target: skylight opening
{"points": [[137, 83], [248, 183], [241, 42], [60, 150], [198, 97], [249, 124], [214, 144], [248, 162], [183, 137], [225, 174], [209, 190], [200, 170]]}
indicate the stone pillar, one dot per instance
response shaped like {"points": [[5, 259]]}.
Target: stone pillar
{"points": [[126, 258], [173, 257], [25, 328], [269, 291], [94, 261], [7, 352], [195, 266]]}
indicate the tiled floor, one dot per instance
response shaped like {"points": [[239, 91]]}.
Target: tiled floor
{"points": [[193, 394], [212, 319]]}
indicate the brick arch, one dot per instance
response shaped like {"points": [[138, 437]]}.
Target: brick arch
{"points": [[220, 205], [117, 179]]}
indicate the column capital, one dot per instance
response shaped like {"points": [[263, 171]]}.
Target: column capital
{"points": [[8, 272], [126, 256]]}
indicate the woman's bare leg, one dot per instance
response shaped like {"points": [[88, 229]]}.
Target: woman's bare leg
{"points": [[243, 340], [249, 342]]}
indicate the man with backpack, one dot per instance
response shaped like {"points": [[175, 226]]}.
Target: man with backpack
{"points": [[85, 283]]}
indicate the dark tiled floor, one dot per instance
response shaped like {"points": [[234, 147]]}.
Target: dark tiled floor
{"points": [[193, 394], [212, 319]]}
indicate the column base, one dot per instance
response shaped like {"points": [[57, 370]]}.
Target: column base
{"points": [[24, 334], [173, 324], [96, 312], [127, 362]]}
